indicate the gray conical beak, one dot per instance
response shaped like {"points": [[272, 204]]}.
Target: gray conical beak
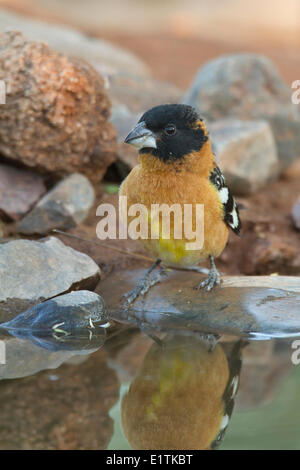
{"points": [[141, 137]]}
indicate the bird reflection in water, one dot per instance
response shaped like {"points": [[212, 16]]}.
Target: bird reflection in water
{"points": [[183, 394]]}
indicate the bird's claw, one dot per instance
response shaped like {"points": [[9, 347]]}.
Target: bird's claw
{"points": [[131, 296], [212, 279], [143, 287]]}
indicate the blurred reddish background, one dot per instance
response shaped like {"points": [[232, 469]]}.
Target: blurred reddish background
{"points": [[161, 31]]}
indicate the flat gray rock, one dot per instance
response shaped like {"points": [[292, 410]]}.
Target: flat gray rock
{"points": [[260, 306], [239, 146], [39, 270], [65, 206], [248, 86]]}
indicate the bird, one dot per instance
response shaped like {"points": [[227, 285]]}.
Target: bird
{"points": [[176, 165]]}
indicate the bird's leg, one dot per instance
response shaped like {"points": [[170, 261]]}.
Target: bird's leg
{"points": [[146, 282], [212, 278], [151, 335], [211, 340]]}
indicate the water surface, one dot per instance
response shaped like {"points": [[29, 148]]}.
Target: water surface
{"points": [[125, 390]]}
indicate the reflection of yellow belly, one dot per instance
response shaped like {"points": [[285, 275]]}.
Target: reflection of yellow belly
{"points": [[176, 399]]}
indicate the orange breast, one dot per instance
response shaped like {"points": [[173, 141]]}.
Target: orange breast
{"points": [[155, 182]]}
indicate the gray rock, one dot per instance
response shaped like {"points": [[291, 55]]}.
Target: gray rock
{"points": [[246, 152], [39, 270], [248, 86], [137, 93], [19, 190], [68, 312], [296, 214], [104, 56], [65, 206], [260, 306]]}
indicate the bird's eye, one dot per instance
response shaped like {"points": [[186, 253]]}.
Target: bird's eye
{"points": [[170, 129]]}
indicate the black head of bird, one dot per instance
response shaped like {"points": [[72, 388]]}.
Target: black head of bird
{"points": [[169, 132]]}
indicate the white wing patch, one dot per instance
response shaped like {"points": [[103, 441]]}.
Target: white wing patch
{"points": [[224, 194], [224, 423], [231, 213]]}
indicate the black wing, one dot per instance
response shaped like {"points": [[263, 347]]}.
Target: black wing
{"points": [[234, 357], [231, 212]]}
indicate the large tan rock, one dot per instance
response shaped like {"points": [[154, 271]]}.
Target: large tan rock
{"points": [[56, 114]]}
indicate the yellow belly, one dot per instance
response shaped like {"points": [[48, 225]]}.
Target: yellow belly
{"points": [[172, 252]]}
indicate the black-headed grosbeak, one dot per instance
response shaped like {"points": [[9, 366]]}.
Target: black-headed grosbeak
{"points": [[177, 166]]}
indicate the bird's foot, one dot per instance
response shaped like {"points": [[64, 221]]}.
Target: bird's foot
{"points": [[212, 279], [145, 284], [211, 340]]}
